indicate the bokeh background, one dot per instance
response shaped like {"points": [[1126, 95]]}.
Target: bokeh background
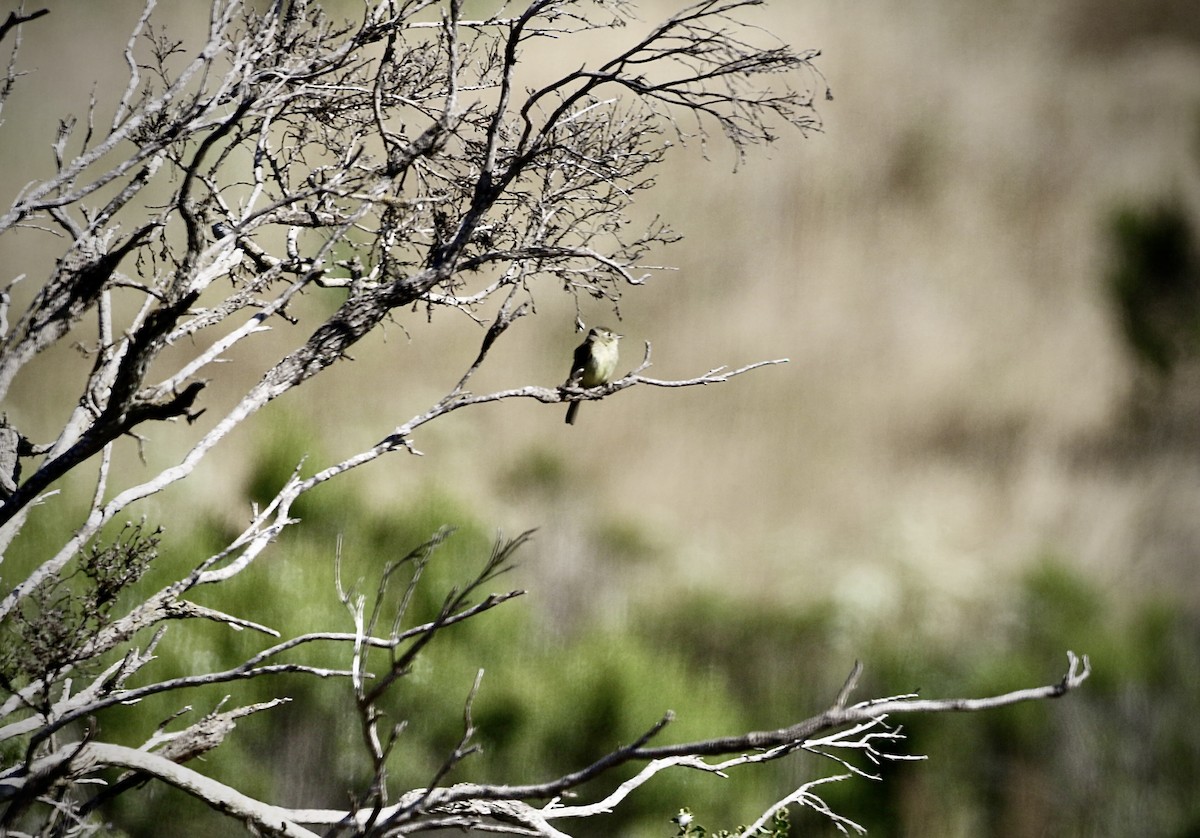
{"points": [[982, 452]]}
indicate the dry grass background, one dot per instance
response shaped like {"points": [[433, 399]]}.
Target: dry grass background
{"points": [[932, 264]]}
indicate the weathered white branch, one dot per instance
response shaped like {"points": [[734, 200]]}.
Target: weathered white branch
{"points": [[82, 759], [805, 796], [750, 748]]}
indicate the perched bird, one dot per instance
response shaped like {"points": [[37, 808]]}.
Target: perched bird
{"points": [[594, 363]]}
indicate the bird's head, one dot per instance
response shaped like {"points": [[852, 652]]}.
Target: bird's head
{"points": [[603, 335]]}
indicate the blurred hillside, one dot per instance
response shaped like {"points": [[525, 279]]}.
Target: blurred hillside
{"points": [[933, 264]]}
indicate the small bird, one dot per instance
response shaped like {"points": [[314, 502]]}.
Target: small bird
{"points": [[594, 363]]}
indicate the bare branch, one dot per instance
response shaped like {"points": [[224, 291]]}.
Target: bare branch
{"points": [[867, 711], [78, 760], [14, 19], [497, 801]]}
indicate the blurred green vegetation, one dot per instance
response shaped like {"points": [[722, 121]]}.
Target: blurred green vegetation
{"points": [[1119, 757]]}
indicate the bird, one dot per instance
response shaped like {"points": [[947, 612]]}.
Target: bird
{"points": [[594, 363]]}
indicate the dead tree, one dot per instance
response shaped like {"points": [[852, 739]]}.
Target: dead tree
{"points": [[405, 160]]}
